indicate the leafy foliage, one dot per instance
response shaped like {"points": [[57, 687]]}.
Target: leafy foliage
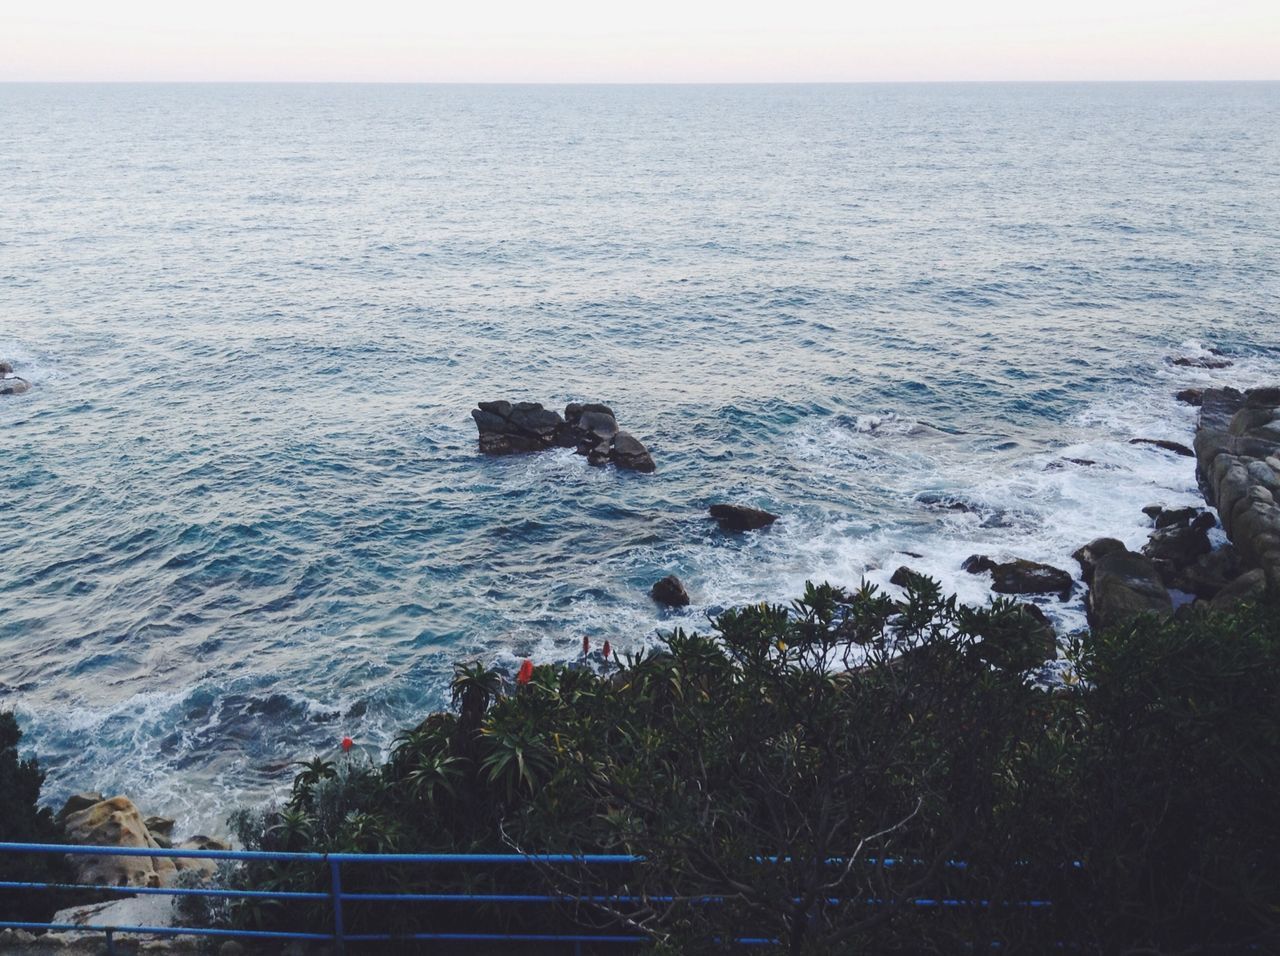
{"points": [[23, 820], [813, 773]]}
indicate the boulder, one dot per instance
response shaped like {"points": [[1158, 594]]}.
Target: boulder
{"points": [[6, 368], [116, 822], [77, 802], [1020, 576], [1176, 547], [1090, 554], [1249, 587], [161, 828], [670, 591], [1124, 586], [592, 429], [205, 869], [1209, 574], [741, 517], [906, 577], [12, 385], [1176, 447], [1191, 396], [1237, 447], [1181, 517], [1202, 361]]}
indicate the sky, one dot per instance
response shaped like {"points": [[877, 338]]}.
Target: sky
{"points": [[637, 41]]}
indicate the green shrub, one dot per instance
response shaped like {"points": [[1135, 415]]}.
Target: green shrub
{"points": [[23, 820], [822, 770]]}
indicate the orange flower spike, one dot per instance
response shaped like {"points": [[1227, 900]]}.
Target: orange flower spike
{"points": [[526, 673]]}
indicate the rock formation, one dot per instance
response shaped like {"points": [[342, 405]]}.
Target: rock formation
{"points": [[1021, 577], [11, 384], [741, 517], [507, 428], [1123, 585], [1237, 447], [670, 591]]}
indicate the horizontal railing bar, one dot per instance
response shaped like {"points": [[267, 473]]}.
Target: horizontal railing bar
{"points": [[167, 891], [161, 853], [166, 930]]}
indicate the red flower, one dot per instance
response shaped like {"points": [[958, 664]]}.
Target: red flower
{"points": [[586, 646], [347, 744], [526, 673], [606, 650]]}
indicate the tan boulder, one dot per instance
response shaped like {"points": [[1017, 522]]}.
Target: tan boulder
{"points": [[116, 822]]}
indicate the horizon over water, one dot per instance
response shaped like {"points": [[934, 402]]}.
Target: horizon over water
{"points": [[244, 507]]}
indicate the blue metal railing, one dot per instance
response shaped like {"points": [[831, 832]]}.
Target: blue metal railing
{"points": [[337, 896]]}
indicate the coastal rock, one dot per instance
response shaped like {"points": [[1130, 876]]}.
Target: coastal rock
{"points": [[12, 385], [161, 829], [1090, 554], [670, 591], [205, 869], [6, 368], [1249, 587], [1202, 361], [1237, 447], [506, 428], [1176, 447], [1021, 577], [77, 802], [1125, 585], [906, 577], [116, 822], [1191, 396], [1209, 574], [741, 517], [1176, 547]]}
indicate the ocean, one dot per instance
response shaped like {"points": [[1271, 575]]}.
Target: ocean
{"points": [[243, 508]]}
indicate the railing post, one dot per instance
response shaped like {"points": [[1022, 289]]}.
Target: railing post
{"points": [[335, 891], [111, 946]]}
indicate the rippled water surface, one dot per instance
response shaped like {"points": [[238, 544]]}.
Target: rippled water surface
{"points": [[243, 508]]}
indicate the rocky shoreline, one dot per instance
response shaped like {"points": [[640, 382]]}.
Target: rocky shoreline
{"points": [[1237, 463]]}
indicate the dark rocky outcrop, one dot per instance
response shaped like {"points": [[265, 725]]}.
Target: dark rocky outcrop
{"points": [[1176, 447], [1191, 396], [11, 384], [1247, 587], [507, 428], [1237, 448], [1208, 575], [1123, 586], [907, 577], [741, 518], [1203, 361], [1090, 554], [1021, 577], [1179, 517], [670, 591]]}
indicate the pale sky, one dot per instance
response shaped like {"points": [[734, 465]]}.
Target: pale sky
{"points": [[639, 40]]}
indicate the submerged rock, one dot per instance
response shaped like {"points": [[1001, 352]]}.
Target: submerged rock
{"points": [[1125, 585], [1021, 577], [12, 385], [507, 428], [1203, 361], [1176, 447], [1191, 396], [741, 517], [670, 591]]}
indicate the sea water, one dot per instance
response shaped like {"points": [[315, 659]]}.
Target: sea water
{"points": [[243, 510]]}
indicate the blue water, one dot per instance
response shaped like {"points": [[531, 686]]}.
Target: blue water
{"points": [[243, 509]]}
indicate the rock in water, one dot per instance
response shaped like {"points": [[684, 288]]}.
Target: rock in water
{"points": [[1093, 552], [1191, 396], [670, 591], [906, 577], [1215, 361], [741, 518], [1173, 446], [14, 385], [1021, 577], [1237, 447], [1125, 585], [6, 368], [507, 428]]}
